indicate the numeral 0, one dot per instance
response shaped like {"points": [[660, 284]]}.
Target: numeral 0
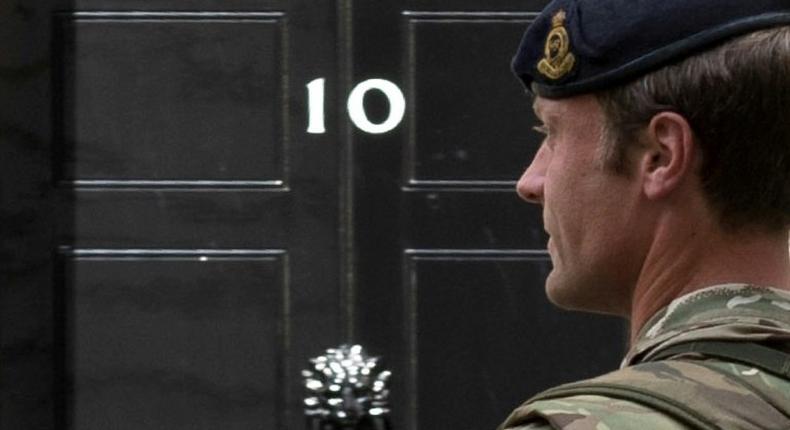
{"points": [[356, 108]]}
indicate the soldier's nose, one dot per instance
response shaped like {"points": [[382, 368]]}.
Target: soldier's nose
{"points": [[530, 185]]}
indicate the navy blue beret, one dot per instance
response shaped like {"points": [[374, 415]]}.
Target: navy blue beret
{"points": [[580, 46]]}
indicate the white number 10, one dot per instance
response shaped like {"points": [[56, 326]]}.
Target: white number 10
{"points": [[356, 108]]}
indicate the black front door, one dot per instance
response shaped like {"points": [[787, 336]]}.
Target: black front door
{"points": [[198, 196]]}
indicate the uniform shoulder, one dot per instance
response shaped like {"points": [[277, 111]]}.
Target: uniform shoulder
{"points": [[591, 412], [668, 395]]}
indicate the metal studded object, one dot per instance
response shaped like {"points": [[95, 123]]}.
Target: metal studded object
{"points": [[345, 386]]}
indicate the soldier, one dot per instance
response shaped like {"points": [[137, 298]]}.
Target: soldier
{"points": [[664, 177]]}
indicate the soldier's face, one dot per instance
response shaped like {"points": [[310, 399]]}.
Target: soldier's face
{"points": [[588, 212]]}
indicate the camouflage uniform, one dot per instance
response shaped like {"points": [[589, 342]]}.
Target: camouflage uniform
{"points": [[722, 393]]}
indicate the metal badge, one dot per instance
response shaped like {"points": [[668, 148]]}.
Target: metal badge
{"points": [[345, 386], [557, 60]]}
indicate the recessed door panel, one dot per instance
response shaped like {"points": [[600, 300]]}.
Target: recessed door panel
{"points": [[175, 340], [477, 329], [183, 97], [464, 98]]}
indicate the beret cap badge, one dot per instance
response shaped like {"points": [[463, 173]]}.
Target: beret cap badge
{"points": [[557, 60], [578, 47]]}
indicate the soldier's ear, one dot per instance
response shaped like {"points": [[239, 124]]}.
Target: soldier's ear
{"points": [[669, 156]]}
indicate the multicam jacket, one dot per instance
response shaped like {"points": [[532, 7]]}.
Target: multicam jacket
{"points": [[657, 388]]}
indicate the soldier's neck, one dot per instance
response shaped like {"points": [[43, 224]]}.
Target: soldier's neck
{"points": [[685, 257]]}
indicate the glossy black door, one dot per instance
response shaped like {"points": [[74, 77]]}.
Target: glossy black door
{"points": [[177, 243]]}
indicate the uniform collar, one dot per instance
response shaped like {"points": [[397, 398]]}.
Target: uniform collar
{"points": [[735, 312]]}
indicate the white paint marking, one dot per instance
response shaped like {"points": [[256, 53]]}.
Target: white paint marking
{"points": [[356, 108], [315, 106]]}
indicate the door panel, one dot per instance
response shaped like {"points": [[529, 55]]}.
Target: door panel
{"points": [[161, 340], [175, 97], [478, 336], [457, 71]]}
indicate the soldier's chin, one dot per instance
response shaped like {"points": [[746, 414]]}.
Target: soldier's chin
{"points": [[577, 296], [560, 297]]}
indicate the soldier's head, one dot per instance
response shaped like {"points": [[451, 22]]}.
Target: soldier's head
{"points": [[648, 104]]}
